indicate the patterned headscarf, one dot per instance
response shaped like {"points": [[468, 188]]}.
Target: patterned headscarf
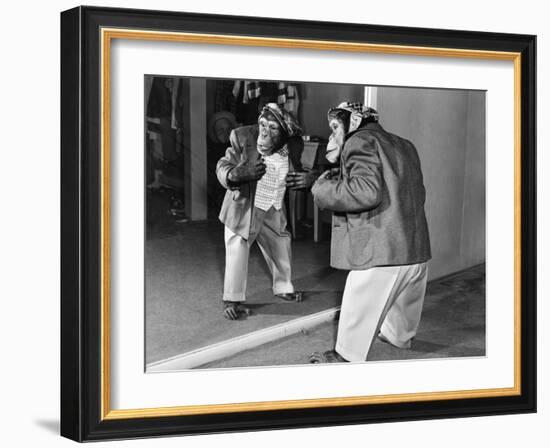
{"points": [[286, 120], [357, 113]]}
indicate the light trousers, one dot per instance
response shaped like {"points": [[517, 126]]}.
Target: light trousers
{"points": [[386, 300], [268, 229]]}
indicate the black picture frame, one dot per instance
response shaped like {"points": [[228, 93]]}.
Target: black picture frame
{"points": [[81, 209]]}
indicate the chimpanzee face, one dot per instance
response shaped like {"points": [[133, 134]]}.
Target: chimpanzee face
{"points": [[270, 136], [336, 139]]}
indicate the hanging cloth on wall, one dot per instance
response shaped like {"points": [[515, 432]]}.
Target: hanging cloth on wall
{"points": [[175, 85], [224, 97], [281, 94], [248, 93], [252, 89], [236, 89], [292, 100], [148, 86], [160, 99]]}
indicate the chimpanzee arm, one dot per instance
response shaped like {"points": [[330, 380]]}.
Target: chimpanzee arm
{"points": [[229, 161], [360, 188]]}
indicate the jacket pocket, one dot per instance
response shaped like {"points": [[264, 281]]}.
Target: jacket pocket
{"points": [[242, 194], [360, 246], [338, 220], [356, 221]]}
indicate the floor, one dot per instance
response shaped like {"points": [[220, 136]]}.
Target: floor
{"points": [[452, 325], [184, 276]]}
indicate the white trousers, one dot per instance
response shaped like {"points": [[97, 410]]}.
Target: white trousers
{"points": [[386, 300], [268, 229]]}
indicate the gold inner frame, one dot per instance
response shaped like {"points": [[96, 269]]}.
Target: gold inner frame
{"points": [[107, 35]]}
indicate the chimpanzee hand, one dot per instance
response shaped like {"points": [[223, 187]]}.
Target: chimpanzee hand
{"points": [[324, 176], [333, 173], [301, 179], [247, 171]]}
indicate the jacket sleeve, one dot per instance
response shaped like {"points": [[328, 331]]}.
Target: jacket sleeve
{"points": [[359, 188], [229, 161]]}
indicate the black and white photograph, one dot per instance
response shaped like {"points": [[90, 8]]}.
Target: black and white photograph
{"points": [[302, 223], [275, 225]]}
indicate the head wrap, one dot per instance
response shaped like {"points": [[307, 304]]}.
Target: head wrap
{"points": [[285, 119], [357, 112]]}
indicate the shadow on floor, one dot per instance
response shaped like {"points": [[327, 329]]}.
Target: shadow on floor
{"points": [[51, 426]]}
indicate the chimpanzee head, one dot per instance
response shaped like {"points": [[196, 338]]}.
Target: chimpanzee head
{"points": [[276, 125]]}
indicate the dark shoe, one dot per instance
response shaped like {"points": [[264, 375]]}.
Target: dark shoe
{"points": [[235, 310], [291, 296], [330, 356]]}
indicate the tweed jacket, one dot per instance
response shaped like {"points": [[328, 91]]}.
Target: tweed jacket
{"points": [[378, 202], [236, 211]]}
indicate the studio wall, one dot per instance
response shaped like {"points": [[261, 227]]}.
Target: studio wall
{"points": [[448, 129], [318, 98]]}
